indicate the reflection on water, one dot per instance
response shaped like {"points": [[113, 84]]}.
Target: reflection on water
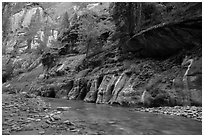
{"points": [[119, 120]]}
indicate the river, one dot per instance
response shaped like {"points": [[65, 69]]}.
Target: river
{"points": [[112, 120]]}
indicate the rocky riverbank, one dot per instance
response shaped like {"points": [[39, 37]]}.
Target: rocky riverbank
{"points": [[22, 116], [184, 111]]}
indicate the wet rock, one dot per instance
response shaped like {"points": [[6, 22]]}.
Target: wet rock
{"points": [[63, 108], [41, 76], [57, 117], [102, 88], [64, 89], [158, 93], [67, 122], [112, 122], [52, 119], [31, 119], [75, 90], [48, 122], [28, 127], [37, 120], [108, 92], [6, 132], [120, 83], [42, 132], [83, 89], [92, 94], [196, 68], [128, 95], [195, 93], [44, 125], [188, 112]]}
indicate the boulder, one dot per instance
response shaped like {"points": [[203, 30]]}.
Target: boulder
{"points": [[63, 108]]}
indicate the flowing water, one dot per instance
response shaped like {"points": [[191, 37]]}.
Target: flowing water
{"points": [[106, 119]]}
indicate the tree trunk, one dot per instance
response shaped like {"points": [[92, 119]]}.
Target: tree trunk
{"points": [[88, 46], [131, 19], [139, 9]]}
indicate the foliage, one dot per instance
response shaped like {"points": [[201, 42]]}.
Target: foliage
{"points": [[65, 22], [88, 30]]}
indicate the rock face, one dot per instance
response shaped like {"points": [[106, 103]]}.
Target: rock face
{"points": [[84, 88], [110, 87], [160, 90], [139, 87], [64, 89], [25, 29], [120, 83], [7, 69], [92, 94], [166, 39], [194, 76], [102, 89], [128, 95], [73, 94]]}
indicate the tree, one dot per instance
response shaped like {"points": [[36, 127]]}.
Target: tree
{"points": [[87, 29], [65, 22]]}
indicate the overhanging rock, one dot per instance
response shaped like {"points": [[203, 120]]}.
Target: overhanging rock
{"points": [[166, 39]]}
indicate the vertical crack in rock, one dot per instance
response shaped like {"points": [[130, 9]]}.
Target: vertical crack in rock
{"points": [[92, 94], [75, 90], [100, 79], [102, 88], [108, 92], [127, 93], [118, 87], [83, 89]]}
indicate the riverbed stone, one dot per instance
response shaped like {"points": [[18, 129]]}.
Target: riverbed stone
{"points": [[63, 108]]}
